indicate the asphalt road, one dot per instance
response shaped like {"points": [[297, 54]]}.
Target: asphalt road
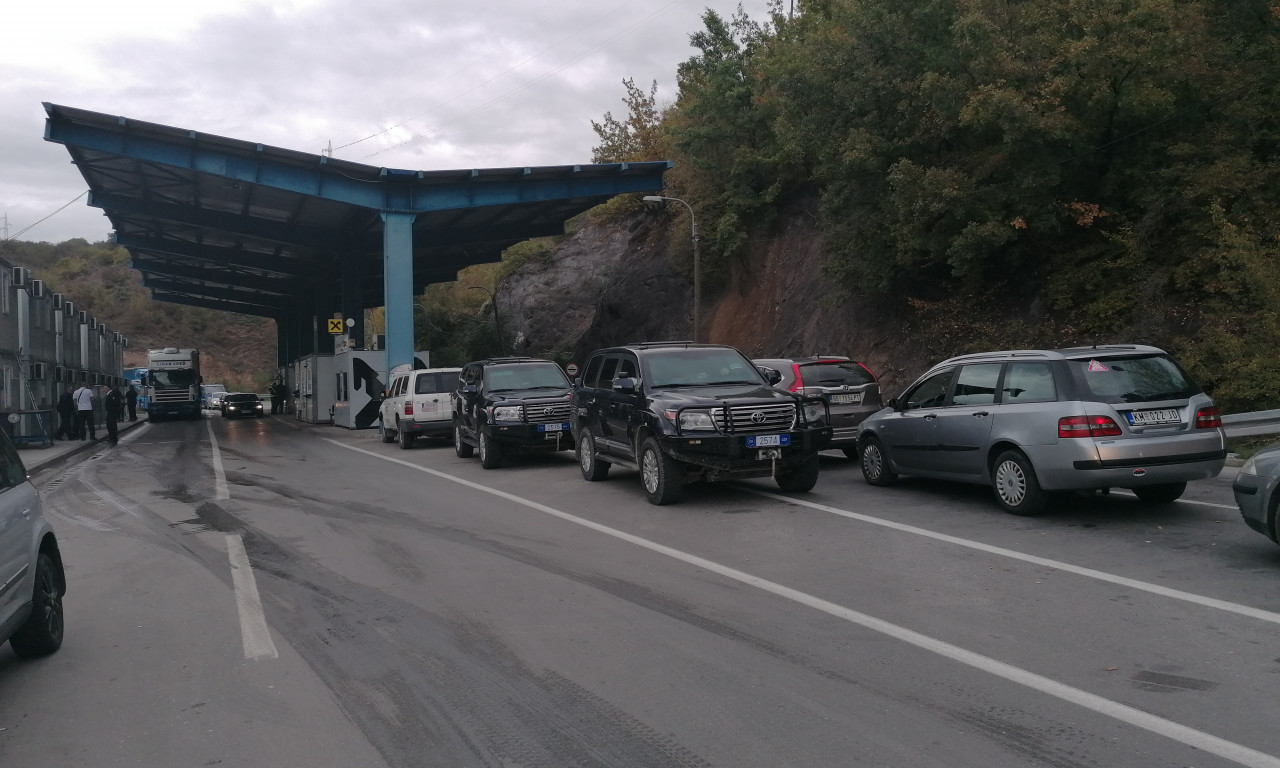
{"points": [[263, 592]]}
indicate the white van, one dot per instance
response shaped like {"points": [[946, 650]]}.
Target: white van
{"points": [[417, 404]]}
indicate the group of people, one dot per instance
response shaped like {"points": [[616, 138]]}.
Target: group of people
{"points": [[75, 412]]}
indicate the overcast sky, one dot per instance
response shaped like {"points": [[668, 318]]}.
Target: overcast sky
{"points": [[411, 84]]}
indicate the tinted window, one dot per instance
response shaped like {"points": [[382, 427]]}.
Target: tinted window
{"points": [[930, 392], [592, 375], [431, 383], [1133, 379], [976, 384], [241, 399], [835, 375], [1028, 383], [12, 472], [525, 376], [697, 366]]}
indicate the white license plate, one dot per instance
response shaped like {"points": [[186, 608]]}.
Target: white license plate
{"points": [[846, 399], [553, 427], [1160, 416], [429, 407], [768, 441]]}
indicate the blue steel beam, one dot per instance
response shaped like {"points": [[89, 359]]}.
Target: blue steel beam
{"points": [[397, 290], [257, 283], [220, 255], [222, 306]]}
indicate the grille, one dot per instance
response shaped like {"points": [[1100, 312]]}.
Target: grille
{"points": [[168, 397], [743, 418], [547, 413]]}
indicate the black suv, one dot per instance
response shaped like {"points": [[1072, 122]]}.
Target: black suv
{"points": [[677, 410], [508, 405]]}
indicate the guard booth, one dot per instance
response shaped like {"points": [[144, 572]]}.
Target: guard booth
{"points": [[359, 383], [316, 390]]}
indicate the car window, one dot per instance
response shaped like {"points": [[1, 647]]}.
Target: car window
{"points": [[627, 368], [976, 384], [1133, 379], [1028, 383], [592, 376], [847, 373], [608, 370], [931, 392], [431, 383], [12, 473]]}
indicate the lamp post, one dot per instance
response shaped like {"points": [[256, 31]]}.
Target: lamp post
{"points": [[493, 298], [655, 202]]}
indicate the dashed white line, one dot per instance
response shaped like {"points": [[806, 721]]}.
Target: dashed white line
{"points": [[255, 636], [219, 476], [1176, 731]]}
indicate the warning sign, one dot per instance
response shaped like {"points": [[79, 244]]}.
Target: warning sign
{"points": [[571, 369], [336, 325], [1096, 367]]}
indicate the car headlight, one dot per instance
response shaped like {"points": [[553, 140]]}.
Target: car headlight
{"points": [[695, 421], [814, 413], [505, 413]]}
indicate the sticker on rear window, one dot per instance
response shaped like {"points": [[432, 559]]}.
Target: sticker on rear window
{"points": [[1096, 367]]}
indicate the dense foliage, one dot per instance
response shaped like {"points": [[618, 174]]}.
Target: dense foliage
{"points": [[1025, 172]]}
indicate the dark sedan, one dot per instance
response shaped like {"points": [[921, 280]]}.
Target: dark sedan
{"points": [[241, 404], [1257, 489]]}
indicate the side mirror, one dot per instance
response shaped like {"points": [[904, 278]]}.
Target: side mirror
{"points": [[624, 386], [897, 404], [770, 375]]}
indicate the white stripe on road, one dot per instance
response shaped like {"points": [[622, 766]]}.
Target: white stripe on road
{"points": [[1144, 586], [254, 634], [1122, 712], [219, 476]]}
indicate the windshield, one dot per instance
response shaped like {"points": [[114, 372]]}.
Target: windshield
{"points": [[525, 376], [431, 383], [699, 366], [241, 399], [172, 379], [1134, 379]]}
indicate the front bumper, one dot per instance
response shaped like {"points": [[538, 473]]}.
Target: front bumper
{"points": [[1253, 495], [532, 437], [731, 454]]}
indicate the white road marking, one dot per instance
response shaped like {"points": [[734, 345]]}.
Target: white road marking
{"points": [[254, 634], [1144, 586], [1176, 731], [219, 476]]}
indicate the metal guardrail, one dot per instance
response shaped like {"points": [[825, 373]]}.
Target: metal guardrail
{"points": [[1254, 423]]}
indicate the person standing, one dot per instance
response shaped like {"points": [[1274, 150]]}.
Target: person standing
{"points": [[131, 399], [83, 398], [114, 404], [277, 397], [66, 415]]}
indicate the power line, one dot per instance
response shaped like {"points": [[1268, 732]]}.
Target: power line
{"points": [[46, 218]]}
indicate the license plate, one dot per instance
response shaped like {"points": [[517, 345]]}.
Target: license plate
{"points": [[561, 427], [429, 407], [768, 441], [1160, 416], [852, 397]]}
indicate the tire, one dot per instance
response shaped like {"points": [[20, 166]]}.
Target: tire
{"points": [[406, 439], [1016, 488], [875, 464], [42, 634], [801, 478], [384, 433], [490, 451], [661, 475], [460, 446], [1165, 493], [593, 469]]}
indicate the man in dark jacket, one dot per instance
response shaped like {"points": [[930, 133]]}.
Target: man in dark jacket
{"points": [[66, 416], [131, 399], [114, 404]]}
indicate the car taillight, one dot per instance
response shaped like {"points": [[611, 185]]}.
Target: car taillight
{"points": [[868, 370], [798, 384], [1088, 426], [408, 408], [1208, 418]]}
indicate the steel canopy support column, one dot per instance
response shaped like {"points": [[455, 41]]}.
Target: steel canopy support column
{"points": [[397, 287], [352, 304]]}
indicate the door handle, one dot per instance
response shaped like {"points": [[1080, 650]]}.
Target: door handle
{"points": [[930, 416], [981, 414]]}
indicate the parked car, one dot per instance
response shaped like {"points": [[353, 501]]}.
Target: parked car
{"points": [[677, 410], [32, 582], [417, 404], [241, 404], [211, 396], [509, 405], [1034, 421], [1257, 491], [849, 387]]}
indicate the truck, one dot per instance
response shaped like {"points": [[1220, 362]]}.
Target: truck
{"points": [[173, 383]]}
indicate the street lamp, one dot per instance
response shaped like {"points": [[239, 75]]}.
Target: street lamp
{"points": [[655, 202], [497, 322]]}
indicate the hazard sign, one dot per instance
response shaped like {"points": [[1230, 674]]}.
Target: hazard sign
{"points": [[336, 325]]}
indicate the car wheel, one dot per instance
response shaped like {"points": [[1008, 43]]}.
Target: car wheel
{"points": [[460, 446], [406, 439], [592, 467], [384, 433], [42, 634], [490, 453], [1275, 518], [661, 475], [1016, 487], [875, 464], [801, 478], [1165, 493]]}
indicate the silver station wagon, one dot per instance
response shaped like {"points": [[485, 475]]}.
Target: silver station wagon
{"points": [[1029, 422]]}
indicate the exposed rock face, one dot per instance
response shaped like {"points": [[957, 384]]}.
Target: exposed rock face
{"points": [[612, 284]]}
